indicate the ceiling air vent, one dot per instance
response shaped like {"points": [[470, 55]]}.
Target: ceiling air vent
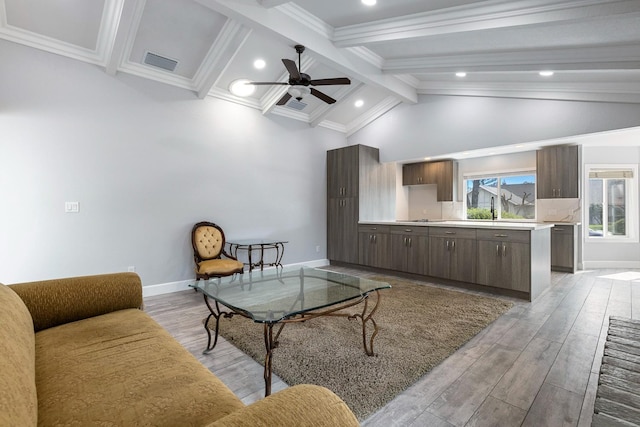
{"points": [[296, 105], [160, 61]]}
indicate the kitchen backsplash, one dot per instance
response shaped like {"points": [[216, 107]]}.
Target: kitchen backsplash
{"points": [[423, 204], [560, 210]]}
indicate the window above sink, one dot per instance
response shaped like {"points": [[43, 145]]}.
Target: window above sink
{"points": [[513, 196]]}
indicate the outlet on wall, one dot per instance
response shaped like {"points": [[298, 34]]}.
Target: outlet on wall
{"points": [[318, 248]]}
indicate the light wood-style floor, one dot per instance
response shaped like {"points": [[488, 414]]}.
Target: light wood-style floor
{"points": [[537, 365]]}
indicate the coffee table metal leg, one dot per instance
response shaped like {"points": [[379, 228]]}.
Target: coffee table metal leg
{"points": [[368, 347], [269, 344], [216, 315]]}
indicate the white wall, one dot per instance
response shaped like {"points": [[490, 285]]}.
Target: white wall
{"points": [[440, 125], [145, 161]]}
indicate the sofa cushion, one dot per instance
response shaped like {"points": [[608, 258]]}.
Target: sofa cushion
{"points": [[18, 400], [123, 368]]}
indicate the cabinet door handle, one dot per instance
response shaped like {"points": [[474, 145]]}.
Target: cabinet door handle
{"points": [[447, 245], [497, 250], [408, 230], [409, 241], [375, 238], [405, 241], [453, 245], [449, 232], [374, 228], [504, 250], [501, 235]]}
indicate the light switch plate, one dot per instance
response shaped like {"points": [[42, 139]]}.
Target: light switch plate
{"points": [[71, 207]]}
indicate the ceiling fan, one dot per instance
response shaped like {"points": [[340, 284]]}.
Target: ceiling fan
{"points": [[300, 82]]}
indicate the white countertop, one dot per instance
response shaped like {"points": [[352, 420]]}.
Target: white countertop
{"points": [[505, 225]]}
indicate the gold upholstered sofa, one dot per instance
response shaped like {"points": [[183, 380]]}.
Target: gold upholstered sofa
{"points": [[80, 351]]}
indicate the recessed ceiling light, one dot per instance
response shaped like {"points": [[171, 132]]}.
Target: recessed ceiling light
{"points": [[359, 103], [369, 2], [546, 73], [241, 88], [259, 64], [461, 74]]}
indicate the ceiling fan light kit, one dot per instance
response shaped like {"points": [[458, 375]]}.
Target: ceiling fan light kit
{"points": [[299, 91], [299, 82]]}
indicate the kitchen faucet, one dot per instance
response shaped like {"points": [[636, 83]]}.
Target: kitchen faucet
{"points": [[493, 210]]}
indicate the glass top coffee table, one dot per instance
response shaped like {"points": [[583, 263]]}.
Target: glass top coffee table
{"points": [[279, 296]]}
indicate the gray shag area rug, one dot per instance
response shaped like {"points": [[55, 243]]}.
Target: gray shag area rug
{"points": [[419, 327]]}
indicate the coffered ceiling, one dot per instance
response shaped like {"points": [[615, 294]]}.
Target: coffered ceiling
{"points": [[391, 51]]}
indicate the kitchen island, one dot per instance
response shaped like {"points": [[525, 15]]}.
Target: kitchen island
{"points": [[512, 258]]}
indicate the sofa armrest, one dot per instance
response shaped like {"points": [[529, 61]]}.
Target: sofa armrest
{"points": [[300, 405], [59, 301]]}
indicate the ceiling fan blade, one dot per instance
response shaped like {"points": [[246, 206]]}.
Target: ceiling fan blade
{"points": [[267, 83], [326, 98], [292, 69], [335, 81], [284, 99]]}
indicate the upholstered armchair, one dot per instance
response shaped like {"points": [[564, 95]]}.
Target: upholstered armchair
{"points": [[208, 248]]}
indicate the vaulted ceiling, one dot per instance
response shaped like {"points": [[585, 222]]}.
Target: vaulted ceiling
{"points": [[391, 51]]}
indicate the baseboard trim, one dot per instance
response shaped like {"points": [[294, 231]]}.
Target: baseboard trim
{"points": [[165, 288], [183, 285], [589, 265]]}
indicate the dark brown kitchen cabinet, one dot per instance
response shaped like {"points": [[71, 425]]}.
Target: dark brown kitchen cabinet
{"points": [[342, 222], [414, 174], [373, 246], [557, 172], [409, 249], [564, 244], [359, 188], [439, 173], [452, 253], [342, 172], [442, 173], [504, 259]]}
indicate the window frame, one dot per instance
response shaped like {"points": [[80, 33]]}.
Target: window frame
{"points": [[632, 215], [499, 176]]}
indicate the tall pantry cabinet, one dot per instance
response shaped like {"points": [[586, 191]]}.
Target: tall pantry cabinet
{"points": [[359, 188]]}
